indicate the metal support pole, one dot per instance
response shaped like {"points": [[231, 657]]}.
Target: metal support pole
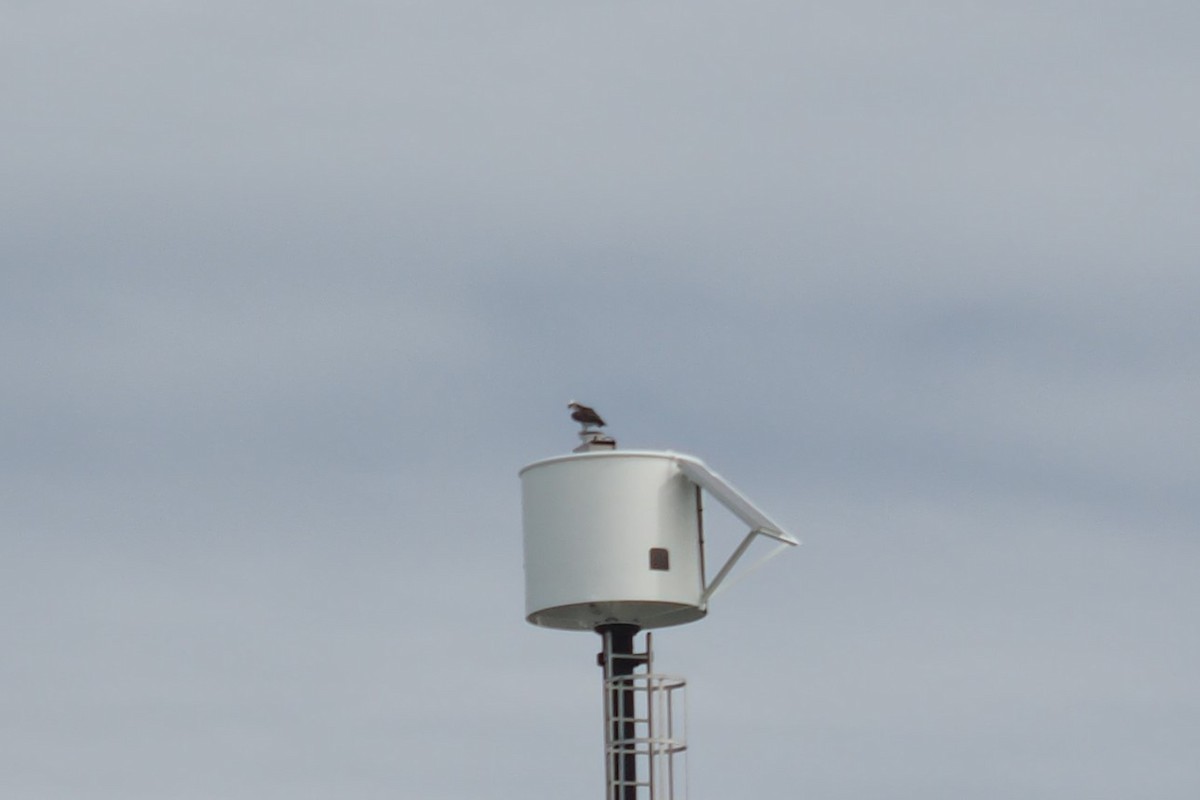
{"points": [[618, 659]]}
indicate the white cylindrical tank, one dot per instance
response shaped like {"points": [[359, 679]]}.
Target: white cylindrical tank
{"points": [[612, 536]]}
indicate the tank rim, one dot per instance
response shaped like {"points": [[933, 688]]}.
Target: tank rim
{"points": [[669, 455]]}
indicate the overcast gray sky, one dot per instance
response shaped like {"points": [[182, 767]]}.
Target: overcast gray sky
{"points": [[291, 291]]}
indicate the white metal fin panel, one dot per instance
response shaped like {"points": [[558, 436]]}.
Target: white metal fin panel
{"points": [[731, 498], [760, 525]]}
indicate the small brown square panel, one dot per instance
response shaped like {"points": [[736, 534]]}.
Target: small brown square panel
{"points": [[659, 558]]}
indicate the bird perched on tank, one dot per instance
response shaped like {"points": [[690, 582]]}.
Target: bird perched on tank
{"points": [[587, 417]]}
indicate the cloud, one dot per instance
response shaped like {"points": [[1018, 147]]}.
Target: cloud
{"points": [[290, 295]]}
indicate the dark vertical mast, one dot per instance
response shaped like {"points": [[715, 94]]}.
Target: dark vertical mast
{"points": [[620, 707]]}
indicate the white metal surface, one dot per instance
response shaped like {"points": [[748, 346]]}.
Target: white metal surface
{"points": [[731, 498], [591, 521], [743, 509]]}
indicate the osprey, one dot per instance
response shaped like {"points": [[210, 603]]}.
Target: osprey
{"points": [[587, 417]]}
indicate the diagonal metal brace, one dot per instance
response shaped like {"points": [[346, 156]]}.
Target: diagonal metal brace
{"points": [[760, 524]]}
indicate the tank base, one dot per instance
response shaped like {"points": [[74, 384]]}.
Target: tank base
{"points": [[644, 614]]}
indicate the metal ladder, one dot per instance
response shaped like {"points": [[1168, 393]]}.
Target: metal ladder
{"points": [[644, 722]]}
